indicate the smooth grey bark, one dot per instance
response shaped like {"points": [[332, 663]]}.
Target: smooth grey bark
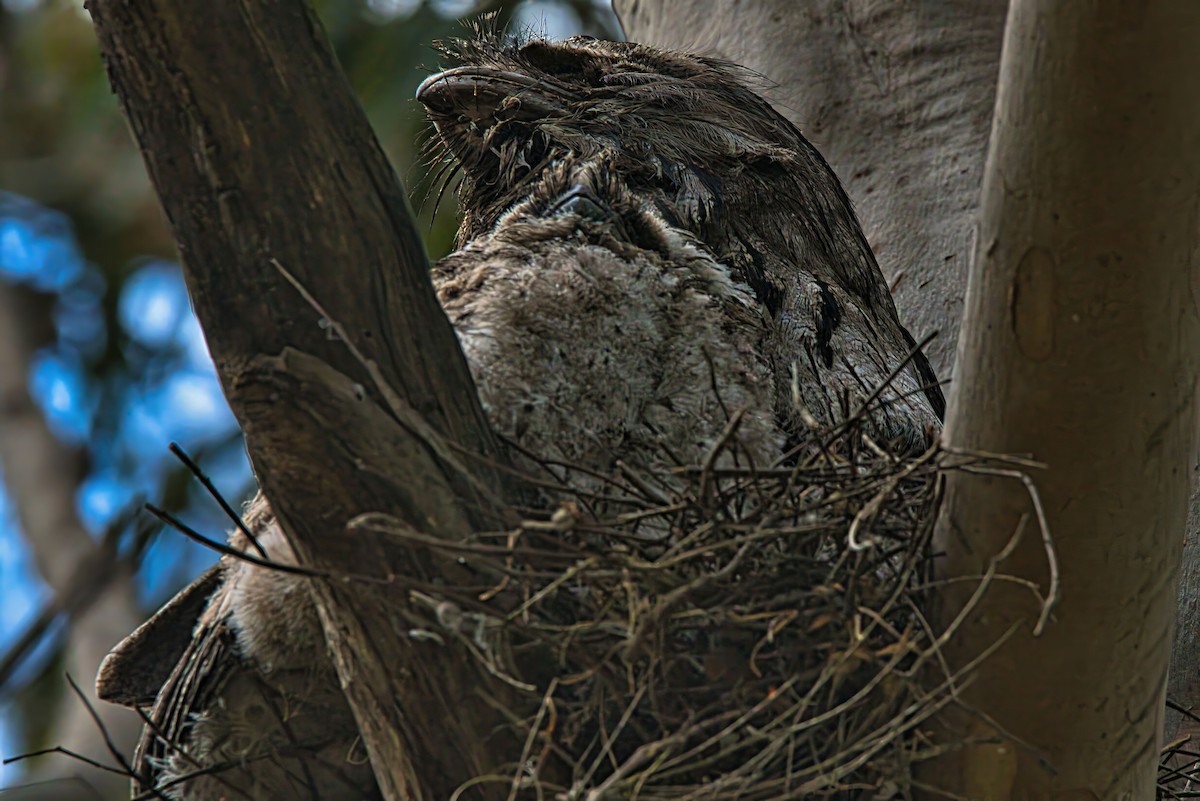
{"points": [[1081, 346], [1183, 679]]}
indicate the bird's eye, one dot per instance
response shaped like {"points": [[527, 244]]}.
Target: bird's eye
{"points": [[582, 202], [562, 62]]}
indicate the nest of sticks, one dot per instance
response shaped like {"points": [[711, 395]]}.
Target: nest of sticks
{"points": [[722, 632]]}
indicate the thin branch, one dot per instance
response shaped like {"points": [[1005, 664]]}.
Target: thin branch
{"points": [[236, 518]]}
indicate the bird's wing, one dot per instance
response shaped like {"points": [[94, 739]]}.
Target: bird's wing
{"points": [[207, 662], [135, 670]]}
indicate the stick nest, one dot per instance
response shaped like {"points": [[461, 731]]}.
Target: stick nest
{"points": [[719, 632]]}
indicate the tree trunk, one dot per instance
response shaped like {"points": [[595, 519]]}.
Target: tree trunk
{"points": [[277, 192], [1080, 346]]}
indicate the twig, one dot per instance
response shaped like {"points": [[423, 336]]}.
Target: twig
{"points": [[1052, 594], [405, 414], [226, 550], [182, 456]]}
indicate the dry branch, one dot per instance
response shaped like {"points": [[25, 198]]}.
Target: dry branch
{"points": [[262, 157]]}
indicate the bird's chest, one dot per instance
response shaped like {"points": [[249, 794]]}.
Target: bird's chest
{"points": [[585, 356]]}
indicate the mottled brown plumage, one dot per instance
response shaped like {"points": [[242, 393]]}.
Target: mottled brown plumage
{"points": [[647, 250], [597, 333], [693, 145], [252, 708]]}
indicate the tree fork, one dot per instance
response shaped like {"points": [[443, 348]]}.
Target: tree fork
{"points": [[280, 199]]}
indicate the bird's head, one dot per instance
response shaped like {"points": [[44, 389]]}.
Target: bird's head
{"points": [[686, 136], [677, 126], [686, 132]]}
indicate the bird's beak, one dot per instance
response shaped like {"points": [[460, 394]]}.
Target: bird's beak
{"points": [[487, 95]]}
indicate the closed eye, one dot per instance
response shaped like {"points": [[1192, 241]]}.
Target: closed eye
{"points": [[631, 78], [560, 61]]}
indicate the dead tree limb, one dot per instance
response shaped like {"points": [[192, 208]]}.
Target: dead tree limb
{"points": [[275, 187]]}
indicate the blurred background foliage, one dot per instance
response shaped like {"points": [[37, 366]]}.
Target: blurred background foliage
{"points": [[105, 344]]}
